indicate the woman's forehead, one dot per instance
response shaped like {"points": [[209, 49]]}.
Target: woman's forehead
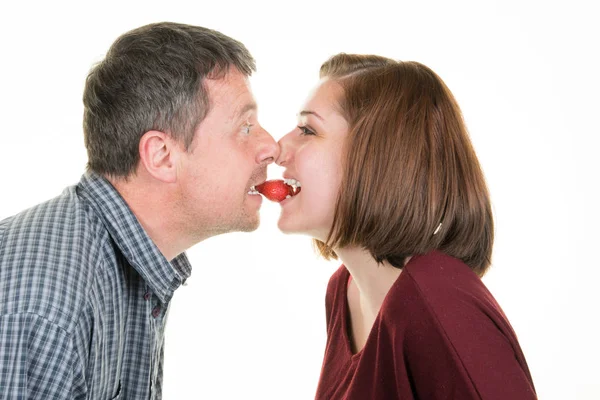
{"points": [[324, 98]]}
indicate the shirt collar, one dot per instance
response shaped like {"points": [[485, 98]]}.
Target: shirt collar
{"points": [[162, 276]]}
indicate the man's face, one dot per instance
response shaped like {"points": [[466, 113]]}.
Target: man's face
{"points": [[229, 154]]}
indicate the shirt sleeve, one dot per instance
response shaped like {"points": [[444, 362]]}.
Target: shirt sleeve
{"points": [[37, 360], [459, 352]]}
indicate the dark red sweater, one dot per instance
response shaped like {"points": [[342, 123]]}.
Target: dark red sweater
{"points": [[439, 335]]}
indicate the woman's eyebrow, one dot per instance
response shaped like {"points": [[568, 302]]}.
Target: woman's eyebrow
{"points": [[306, 112]]}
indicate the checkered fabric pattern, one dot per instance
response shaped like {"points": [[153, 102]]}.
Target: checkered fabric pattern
{"points": [[84, 295]]}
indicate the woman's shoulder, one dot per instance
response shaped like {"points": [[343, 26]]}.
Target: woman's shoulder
{"points": [[443, 287], [437, 266], [445, 323], [444, 291], [439, 276]]}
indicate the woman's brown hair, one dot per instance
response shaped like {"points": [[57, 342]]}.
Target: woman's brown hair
{"points": [[412, 182]]}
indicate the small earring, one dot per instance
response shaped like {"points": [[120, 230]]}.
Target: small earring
{"points": [[437, 229]]}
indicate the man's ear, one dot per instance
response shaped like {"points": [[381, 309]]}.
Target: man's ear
{"points": [[158, 155]]}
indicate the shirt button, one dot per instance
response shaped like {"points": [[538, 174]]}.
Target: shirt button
{"points": [[156, 311], [147, 295]]}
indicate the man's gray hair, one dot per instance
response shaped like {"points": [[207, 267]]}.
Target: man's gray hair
{"points": [[152, 78]]}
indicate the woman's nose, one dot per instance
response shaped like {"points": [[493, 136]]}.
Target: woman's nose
{"points": [[286, 150]]}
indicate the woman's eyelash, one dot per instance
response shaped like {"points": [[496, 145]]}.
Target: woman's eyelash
{"points": [[305, 131]]}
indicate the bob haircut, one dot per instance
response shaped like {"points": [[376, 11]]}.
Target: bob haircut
{"points": [[411, 181]]}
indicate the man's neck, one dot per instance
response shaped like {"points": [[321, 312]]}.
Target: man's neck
{"points": [[153, 207]]}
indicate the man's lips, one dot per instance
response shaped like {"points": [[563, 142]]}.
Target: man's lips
{"points": [[278, 190]]}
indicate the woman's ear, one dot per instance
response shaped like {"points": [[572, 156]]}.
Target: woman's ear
{"points": [[158, 155]]}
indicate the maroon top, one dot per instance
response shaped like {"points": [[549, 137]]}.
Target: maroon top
{"points": [[439, 335]]}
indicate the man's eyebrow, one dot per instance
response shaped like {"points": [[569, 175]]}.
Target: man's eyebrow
{"points": [[246, 108], [306, 112]]}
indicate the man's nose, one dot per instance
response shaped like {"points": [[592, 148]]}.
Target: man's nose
{"points": [[268, 149]]}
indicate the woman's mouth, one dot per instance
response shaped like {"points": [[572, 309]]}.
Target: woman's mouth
{"points": [[295, 184]]}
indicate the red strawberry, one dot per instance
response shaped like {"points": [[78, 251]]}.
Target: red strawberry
{"points": [[275, 190]]}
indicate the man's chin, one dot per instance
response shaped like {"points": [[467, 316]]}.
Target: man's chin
{"points": [[248, 224], [250, 227]]}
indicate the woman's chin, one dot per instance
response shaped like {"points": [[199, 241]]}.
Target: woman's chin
{"points": [[289, 225], [294, 228], [286, 226]]}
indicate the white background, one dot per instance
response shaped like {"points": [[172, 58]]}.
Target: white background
{"points": [[250, 324]]}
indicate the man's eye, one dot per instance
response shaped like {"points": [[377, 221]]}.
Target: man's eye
{"points": [[305, 131], [246, 128]]}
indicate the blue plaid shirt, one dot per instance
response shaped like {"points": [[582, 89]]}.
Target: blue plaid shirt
{"points": [[84, 295]]}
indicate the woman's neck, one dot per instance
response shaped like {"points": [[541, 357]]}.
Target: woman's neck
{"points": [[373, 280]]}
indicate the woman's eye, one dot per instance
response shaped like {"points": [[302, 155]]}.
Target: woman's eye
{"points": [[305, 131]]}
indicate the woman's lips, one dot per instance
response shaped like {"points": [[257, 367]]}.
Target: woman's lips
{"points": [[279, 190]]}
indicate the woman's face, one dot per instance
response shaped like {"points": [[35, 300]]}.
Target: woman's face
{"points": [[312, 154]]}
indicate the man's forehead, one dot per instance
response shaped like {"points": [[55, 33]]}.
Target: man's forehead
{"points": [[231, 92]]}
